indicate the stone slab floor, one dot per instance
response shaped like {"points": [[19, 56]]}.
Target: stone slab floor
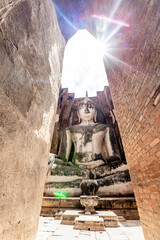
{"points": [[50, 229]]}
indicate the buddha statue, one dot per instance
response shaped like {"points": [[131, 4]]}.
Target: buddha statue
{"points": [[96, 156], [95, 144]]}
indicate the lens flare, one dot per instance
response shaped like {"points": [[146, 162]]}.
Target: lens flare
{"points": [[60, 194], [107, 41], [112, 20]]}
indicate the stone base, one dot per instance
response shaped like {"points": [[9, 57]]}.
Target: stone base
{"points": [[58, 215], [110, 218], [125, 206], [69, 217], [121, 219], [92, 223]]}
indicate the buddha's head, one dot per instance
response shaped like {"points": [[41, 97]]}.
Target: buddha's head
{"points": [[87, 110]]}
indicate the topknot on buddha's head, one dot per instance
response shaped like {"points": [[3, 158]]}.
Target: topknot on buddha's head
{"points": [[86, 101]]}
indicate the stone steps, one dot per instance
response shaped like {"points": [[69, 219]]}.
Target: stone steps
{"points": [[92, 223], [70, 217]]}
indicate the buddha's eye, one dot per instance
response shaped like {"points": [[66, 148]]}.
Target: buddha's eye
{"points": [[90, 105], [81, 105]]}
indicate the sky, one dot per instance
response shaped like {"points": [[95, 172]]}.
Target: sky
{"points": [[83, 67]]}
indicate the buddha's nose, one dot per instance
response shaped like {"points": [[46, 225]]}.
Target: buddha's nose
{"points": [[86, 110]]}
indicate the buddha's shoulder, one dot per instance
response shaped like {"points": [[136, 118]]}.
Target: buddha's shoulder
{"points": [[99, 127], [92, 127], [76, 129]]}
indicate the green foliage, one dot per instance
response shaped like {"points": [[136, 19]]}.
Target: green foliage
{"points": [[63, 170], [78, 156], [60, 185], [62, 157]]}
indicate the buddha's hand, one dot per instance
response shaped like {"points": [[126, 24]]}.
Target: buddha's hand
{"points": [[112, 159], [97, 157]]}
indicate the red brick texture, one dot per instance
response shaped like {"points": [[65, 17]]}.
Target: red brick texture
{"points": [[135, 89]]}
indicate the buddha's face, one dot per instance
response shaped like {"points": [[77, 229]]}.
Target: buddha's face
{"points": [[87, 111]]}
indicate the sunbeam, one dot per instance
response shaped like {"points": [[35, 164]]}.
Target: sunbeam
{"points": [[64, 17], [115, 30], [108, 41], [104, 40], [116, 6], [116, 59]]}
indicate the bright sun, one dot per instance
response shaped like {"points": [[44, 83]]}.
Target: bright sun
{"points": [[101, 47]]}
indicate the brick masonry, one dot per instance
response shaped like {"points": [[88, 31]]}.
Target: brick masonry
{"points": [[135, 88]]}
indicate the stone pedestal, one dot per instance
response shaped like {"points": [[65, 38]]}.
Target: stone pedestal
{"points": [[110, 218], [58, 215], [69, 217], [89, 202], [92, 223]]}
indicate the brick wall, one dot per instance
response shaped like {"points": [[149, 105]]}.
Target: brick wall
{"points": [[135, 89]]}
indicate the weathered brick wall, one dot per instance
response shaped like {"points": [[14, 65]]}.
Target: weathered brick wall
{"points": [[135, 89]]}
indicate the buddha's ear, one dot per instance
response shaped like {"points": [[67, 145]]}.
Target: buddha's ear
{"points": [[95, 116], [79, 119]]}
